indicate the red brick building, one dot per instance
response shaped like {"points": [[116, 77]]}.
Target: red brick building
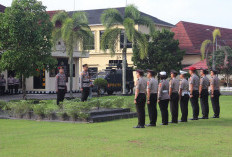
{"points": [[191, 36]]}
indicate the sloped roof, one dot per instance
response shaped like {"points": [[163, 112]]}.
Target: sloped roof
{"points": [[2, 8], [191, 36], [95, 15], [198, 65]]}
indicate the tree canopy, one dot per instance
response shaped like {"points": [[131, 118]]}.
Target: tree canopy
{"points": [[164, 53], [25, 30]]}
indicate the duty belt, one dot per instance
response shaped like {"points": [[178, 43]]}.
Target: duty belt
{"points": [[85, 81]]}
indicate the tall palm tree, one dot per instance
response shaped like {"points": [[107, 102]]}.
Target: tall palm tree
{"points": [[216, 33], [72, 31], [112, 19]]}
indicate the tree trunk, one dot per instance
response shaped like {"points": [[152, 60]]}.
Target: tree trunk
{"points": [[124, 64], [71, 74], [24, 87]]}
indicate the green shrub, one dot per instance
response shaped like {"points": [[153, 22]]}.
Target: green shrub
{"points": [[71, 109], [20, 108], [94, 103], [39, 109], [51, 110], [118, 102], [100, 82], [107, 103], [2, 104]]}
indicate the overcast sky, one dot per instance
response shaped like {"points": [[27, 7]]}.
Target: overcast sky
{"points": [[210, 12]]}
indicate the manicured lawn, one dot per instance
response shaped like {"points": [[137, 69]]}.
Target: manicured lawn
{"points": [[213, 137]]}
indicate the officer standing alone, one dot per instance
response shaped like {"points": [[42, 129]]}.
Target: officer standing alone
{"points": [[140, 98], [152, 89], [174, 96], [16, 85], [184, 96], [204, 94], [194, 92], [85, 83], [61, 87], [163, 97], [215, 93]]}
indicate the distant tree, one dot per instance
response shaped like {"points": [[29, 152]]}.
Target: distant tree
{"points": [[223, 62], [111, 19], [72, 31], [164, 53], [25, 30]]}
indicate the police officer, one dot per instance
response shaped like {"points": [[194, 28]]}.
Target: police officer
{"points": [[10, 82], [2, 85], [174, 96], [140, 98], [184, 96], [215, 93], [16, 85], [194, 92], [61, 87], [85, 83], [163, 97], [204, 94], [152, 89]]}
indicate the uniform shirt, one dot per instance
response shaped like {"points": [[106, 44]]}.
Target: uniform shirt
{"points": [[60, 81], [163, 92], [214, 81], [184, 86], [85, 79], [10, 81], [174, 84], [204, 82], [152, 84], [141, 85], [2, 82], [16, 81], [194, 80]]}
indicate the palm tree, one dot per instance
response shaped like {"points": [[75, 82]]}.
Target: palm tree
{"points": [[72, 31], [205, 43], [112, 19]]}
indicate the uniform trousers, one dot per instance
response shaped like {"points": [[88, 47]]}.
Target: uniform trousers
{"points": [[174, 106], [215, 103], [140, 107], [152, 109], [60, 95], [10, 89], [184, 107], [163, 104], [16, 86], [204, 99], [85, 94], [195, 104], [2, 90]]}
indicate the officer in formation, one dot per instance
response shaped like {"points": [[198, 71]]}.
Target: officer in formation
{"points": [[184, 96], [194, 92], [174, 96], [152, 89], [2, 85], [140, 98], [85, 83], [10, 82], [215, 93], [61, 86], [204, 94], [16, 85]]}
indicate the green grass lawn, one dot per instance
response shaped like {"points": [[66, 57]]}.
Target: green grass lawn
{"points": [[206, 138]]}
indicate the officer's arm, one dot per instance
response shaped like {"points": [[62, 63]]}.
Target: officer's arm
{"points": [[170, 88], [212, 87], [137, 90], [160, 91], [180, 89], [81, 81], [56, 83], [200, 87]]}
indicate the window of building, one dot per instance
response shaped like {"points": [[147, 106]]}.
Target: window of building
{"points": [[129, 44], [91, 43], [64, 63], [101, 33]]}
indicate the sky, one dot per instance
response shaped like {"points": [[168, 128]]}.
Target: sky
{"points": [[209, 12]]}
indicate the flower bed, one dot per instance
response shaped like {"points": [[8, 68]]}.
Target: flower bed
{"points": [[70, 110]]}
